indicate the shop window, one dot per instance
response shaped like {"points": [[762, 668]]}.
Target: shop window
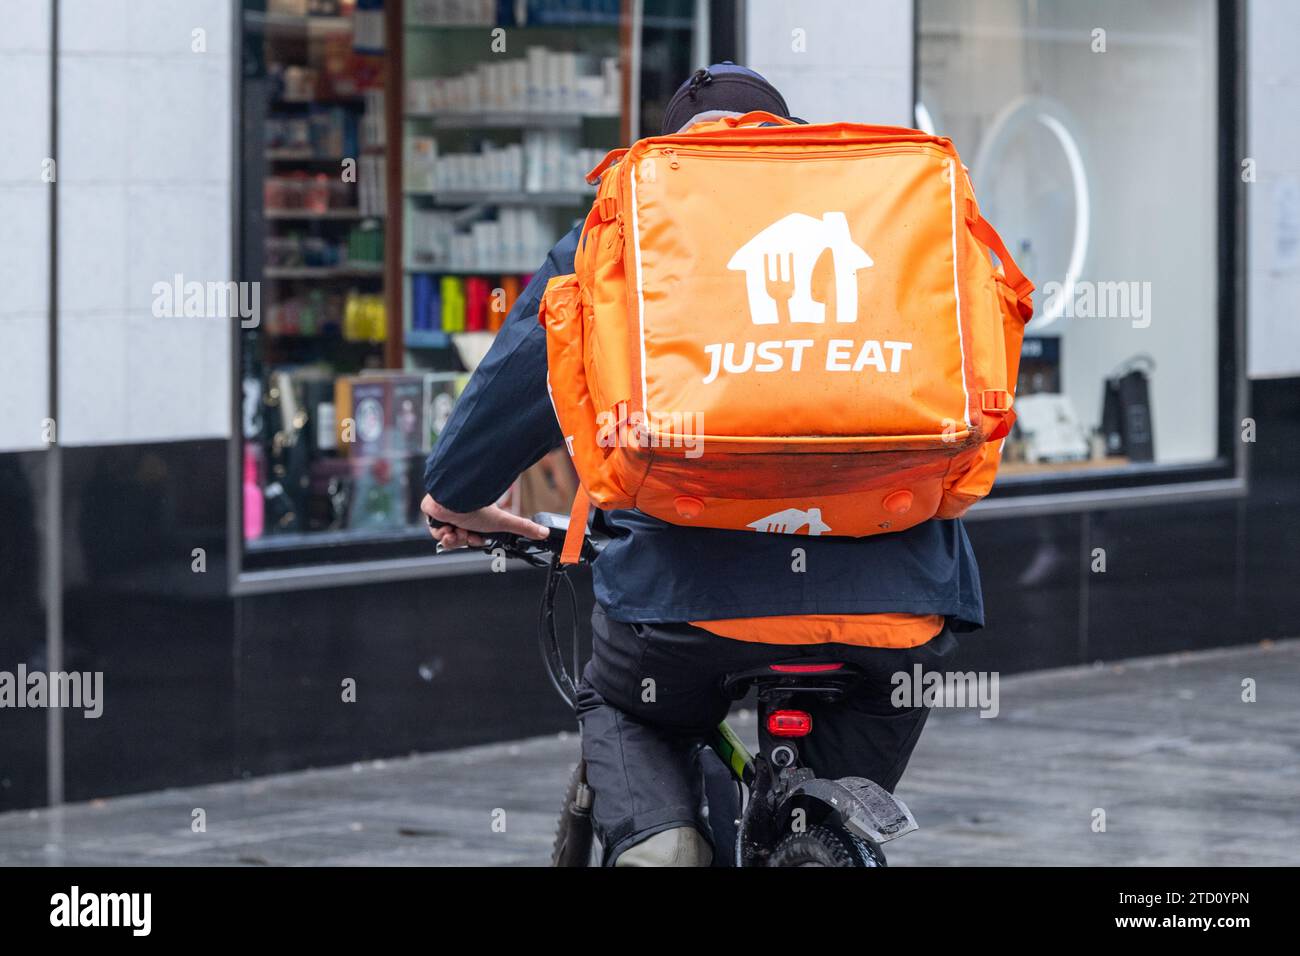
{"points": [[505, 111], [1092, 134], [319, 458], [363, 349]]}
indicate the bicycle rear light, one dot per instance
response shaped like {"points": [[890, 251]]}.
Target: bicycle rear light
{"points": [[789, 723]]}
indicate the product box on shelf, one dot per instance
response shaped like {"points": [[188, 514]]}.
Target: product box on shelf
{"points": [[441, 389], [361, 415], [383, 411], [365, 318], [406, 414], [381, 493], [452, 12], [541, 81], [421, 163], [517, 240], [372, 186], [287, 8], [548, 485]]}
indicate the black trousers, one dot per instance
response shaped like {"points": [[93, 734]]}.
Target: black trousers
{"points": [[651, 692]]}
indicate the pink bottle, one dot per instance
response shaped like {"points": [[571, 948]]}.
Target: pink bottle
{"points": [[254, 504]]}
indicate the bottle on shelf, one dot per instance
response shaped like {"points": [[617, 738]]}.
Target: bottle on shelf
{"points": [[254, 505]]}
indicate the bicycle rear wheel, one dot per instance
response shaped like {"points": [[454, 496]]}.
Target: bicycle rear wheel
{"points": [[825, 846]]}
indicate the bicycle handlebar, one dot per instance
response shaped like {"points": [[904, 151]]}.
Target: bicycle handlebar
{"points": [[538, 552]]}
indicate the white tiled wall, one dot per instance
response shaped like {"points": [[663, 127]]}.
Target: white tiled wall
{"points": [[24, 223], [852, 61], [1273, 328], [145, 127]]}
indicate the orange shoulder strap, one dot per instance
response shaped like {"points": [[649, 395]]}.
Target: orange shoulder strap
{"points": [[577, 532]]}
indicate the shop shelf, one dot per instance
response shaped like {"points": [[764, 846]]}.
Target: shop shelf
{"points": [[357, 101], [323, 272], [291, 23], [343, 214], [493, 119], [300, 156], [426, 339], [501, 270], [516, 198], [556, 21]]}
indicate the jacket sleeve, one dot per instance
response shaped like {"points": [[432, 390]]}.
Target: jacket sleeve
{"points": [[504, 421]]}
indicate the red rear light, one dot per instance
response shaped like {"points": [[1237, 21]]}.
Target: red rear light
{"points": [[789, 723], [804, 668]]}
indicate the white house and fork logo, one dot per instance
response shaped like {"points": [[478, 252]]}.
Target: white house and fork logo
{"points": [[781, 262], [789, 268]]}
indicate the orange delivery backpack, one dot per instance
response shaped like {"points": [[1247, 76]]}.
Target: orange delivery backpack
{"points": [[785, 328]]}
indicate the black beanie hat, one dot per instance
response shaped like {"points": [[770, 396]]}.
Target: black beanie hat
{"points": [[723, 86]]}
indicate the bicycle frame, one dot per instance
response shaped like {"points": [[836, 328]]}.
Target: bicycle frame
{"points": [[734, 754]]}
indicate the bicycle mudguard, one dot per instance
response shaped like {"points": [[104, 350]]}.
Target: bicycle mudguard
{"points": [[863, 808]]}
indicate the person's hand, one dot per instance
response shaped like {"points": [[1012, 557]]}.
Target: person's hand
{"points": [[454, 529]]}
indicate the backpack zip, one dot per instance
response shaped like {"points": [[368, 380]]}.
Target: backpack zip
{"points": [[796, 157]]}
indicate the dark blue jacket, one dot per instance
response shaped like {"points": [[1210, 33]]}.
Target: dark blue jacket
{"points": [[653, 571]]}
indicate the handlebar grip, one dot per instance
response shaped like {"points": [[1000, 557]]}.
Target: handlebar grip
{"points": [[506, 540]]}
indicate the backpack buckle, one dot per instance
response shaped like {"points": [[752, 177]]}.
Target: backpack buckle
{"points": [[607, 207], [996, 404], [995, 401]]}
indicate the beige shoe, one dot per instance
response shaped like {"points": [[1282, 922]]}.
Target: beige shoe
{"points": [[680, 846]]}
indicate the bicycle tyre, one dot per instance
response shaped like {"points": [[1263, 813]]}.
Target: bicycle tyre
{"points": [[823, 846], [575, 841]]}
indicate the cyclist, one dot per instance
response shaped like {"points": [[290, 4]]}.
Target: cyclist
{"points": [[678, 608]]}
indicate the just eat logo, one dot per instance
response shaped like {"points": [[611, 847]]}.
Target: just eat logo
{"points": [[780, 265]]}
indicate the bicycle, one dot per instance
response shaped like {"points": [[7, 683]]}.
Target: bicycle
{"points": [[763, 809]]}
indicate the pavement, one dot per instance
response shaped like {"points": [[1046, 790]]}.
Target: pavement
{"points": [[1164, 751]]}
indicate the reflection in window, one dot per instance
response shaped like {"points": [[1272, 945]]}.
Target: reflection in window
{"points": [[1091, 132]]}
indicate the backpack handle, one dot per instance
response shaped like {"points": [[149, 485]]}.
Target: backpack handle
{"points": [[731, 122], [756, 116], [983, 230], [613, 156]]}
